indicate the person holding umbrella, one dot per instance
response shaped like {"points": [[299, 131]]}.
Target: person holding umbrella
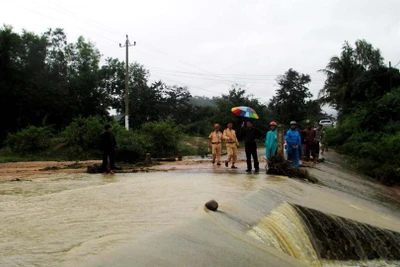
{"points": [[293, 142], [271, 141], [215, 144], [251, 136], [232, 144]]}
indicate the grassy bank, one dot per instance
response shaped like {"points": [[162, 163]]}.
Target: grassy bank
{"points": [[188, 145]]}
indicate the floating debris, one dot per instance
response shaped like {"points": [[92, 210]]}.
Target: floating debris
{"points": [[279, 166]]}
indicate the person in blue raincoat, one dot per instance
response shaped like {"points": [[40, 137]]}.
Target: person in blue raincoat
{"points": [[271, 141], [293, 142]]}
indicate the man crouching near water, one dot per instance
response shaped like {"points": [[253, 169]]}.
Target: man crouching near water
{"points": [[232, 144], [215, 143]]}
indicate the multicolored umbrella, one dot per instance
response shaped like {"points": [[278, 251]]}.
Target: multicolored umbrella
{"points": [[245, 112]]}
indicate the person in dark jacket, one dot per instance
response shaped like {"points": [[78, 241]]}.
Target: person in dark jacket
{"points": [[108, 145], [251, 135], [309, 142]]}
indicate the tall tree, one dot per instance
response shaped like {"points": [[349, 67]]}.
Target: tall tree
{"points": [[348, 76], [290, 100], [43, 78], [238, 97]]}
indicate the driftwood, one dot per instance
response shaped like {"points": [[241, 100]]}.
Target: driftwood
{"points": [[279, 166], [163, 159], [96, 168]]}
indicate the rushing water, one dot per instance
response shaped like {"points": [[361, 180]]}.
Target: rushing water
{"points": [[72, 219]]}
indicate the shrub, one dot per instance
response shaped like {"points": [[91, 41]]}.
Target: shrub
{"points": [[131, 147], [200, 128], [84, 132], [332, 137], [161, 138], [31, 139]]}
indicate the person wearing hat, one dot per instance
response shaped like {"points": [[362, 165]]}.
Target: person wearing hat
{"points": [[309, 142], [293, 142], [232, 144], [271, 141], [215, 144]]}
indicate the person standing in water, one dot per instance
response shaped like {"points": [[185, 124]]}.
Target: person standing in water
{"points": [[108, 145], [293, 142], [302, 147], [215, 144], [271, 141], [232, 143], [309, 142], [251, 135], [319, 136]]}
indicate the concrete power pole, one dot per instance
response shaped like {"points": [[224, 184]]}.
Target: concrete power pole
{"points": [[127, 45], [390, 76]]}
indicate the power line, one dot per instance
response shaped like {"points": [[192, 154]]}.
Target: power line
{"points": [[222, 74], [242, 80], [210, 79], [200, 76], [185, 84], [193, 66], [57, 19], [204, 72], [70, 13], [115, 31]]}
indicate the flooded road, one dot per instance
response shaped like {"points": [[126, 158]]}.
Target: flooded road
{"points": [[72, 219], [50, 221]]}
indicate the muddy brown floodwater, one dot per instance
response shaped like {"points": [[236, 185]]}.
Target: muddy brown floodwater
{"points": [[157, 218]]}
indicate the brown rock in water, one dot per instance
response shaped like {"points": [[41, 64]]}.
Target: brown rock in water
{"points": [[212, 205]]}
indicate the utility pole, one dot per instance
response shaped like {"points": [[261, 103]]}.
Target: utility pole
{"points": [[127, 45], [390, 76]]}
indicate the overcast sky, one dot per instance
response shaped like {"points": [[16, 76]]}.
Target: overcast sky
{"points": [[208, 45]]}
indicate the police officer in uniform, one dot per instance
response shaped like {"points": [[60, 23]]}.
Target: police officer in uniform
{"points": [[215, 144], [232, 144]]}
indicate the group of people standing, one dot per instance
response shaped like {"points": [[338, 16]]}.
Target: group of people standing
{"points": [[300, 144], [251, 135], [232, 143]]}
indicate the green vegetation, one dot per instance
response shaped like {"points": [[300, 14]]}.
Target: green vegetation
{"points": [[359, 87], [30, 139], [293, 100], [55, 97]]}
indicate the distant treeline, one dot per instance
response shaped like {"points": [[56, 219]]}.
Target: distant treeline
{"points": [[46, 80]]}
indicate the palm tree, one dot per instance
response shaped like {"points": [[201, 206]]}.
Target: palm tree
{"points": [[345, 73]]}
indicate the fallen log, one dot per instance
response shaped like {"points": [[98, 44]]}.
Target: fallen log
{"points": [[279, 166], [163, 159]]}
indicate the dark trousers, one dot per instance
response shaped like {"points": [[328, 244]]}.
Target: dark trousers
{"points": [[251, 150], [108, 155], [316, 150], [309, 150]]}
